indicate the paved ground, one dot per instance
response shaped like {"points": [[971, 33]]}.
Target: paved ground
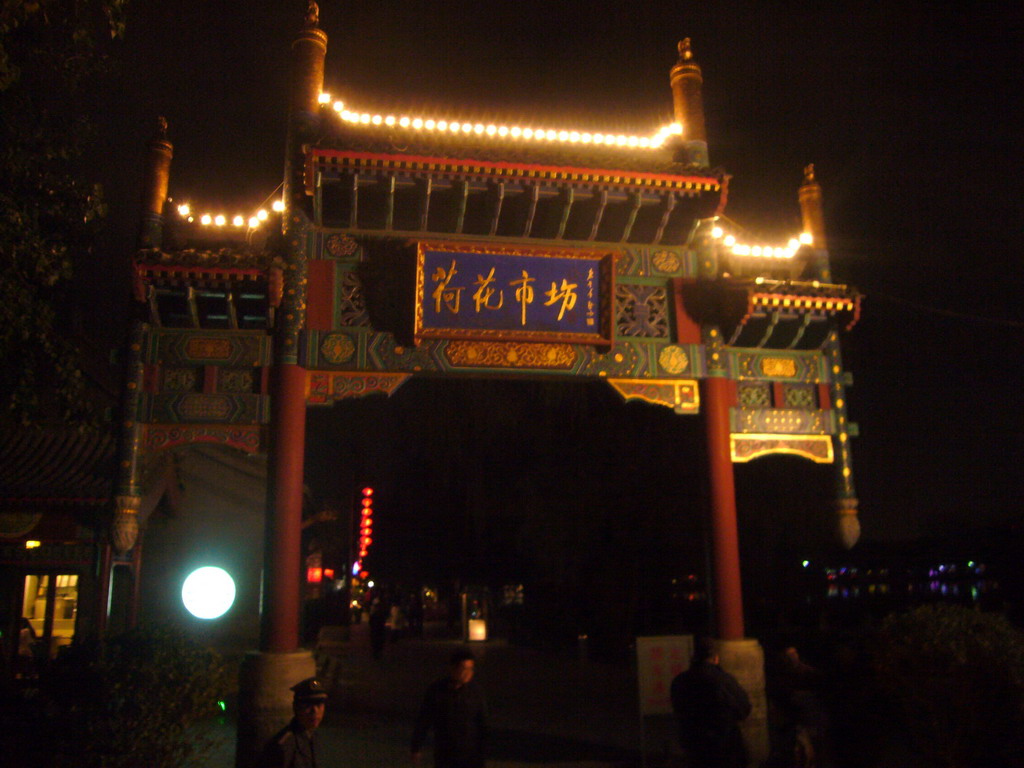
{"points": [[544, 710]]}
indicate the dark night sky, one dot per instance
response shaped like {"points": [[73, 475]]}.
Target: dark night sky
{"points": [[909, 112]]}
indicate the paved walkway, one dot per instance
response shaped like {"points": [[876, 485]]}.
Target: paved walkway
{"points": [[544, 710]]}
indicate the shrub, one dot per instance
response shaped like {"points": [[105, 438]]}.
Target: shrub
{"points": [[955, 677], [137, 701]]}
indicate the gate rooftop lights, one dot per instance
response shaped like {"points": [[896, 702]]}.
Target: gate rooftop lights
{"points": [[208, 592]]}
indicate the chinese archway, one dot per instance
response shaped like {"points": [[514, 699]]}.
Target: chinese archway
{"points": [[423, 244]]}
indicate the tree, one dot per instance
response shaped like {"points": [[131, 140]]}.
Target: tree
{"points": [[51, 52], [956, 678]]}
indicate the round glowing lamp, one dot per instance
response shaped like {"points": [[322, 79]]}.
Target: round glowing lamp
{"points": [[208, 592]]}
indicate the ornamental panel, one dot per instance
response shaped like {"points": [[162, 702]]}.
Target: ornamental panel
{"points": [[817, 448], [682, 396], [326, 387], [781, 421], [351, 301], [754, 395], [157, 437], [799, 396], [505, 354], [641, 310], [206, 408]]}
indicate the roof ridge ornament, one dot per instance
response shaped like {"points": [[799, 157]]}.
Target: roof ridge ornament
{"points": [[312, 14], [685, 54], [809, 173], [161, 128]]}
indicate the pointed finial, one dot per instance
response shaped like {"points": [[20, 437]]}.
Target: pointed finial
{"points": [[685, 54], [161, 128], [312, 14], [809, 174]]}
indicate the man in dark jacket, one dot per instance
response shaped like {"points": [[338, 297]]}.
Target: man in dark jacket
{"points": [[293, 746], [709, 705], [454, 708]]}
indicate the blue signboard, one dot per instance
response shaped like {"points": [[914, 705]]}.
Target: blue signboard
{"points": [[492, 292]]}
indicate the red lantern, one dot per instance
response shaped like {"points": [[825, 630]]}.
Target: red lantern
{"points": [[314, 575], [328, 573], [367, 491]]}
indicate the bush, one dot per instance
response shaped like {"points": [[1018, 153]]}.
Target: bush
{"points": [[956, 680], [137, 701]]}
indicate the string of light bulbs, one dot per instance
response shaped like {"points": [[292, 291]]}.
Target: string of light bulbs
{"points": [[238, 221], [738, 248], [495, 131]]}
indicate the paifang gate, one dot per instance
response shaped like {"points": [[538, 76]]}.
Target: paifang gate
{"points": [[424, 245]]}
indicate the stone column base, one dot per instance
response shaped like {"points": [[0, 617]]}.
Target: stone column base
{"points": [[265, 698], [744, 659]]}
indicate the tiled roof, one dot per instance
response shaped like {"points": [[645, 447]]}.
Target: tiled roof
{"points": [[390, 140], [55, 466]]}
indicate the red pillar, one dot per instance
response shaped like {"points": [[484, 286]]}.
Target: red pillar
{"points": [[279, 629], [725, 551]]}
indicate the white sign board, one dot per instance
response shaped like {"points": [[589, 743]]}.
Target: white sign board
{"points": [[658, 661]]}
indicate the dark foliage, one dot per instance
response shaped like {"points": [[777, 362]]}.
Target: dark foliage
{"points": [[51, 51], [137, 701]]}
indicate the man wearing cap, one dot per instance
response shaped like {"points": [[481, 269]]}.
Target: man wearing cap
{"points": [[293, 746]]}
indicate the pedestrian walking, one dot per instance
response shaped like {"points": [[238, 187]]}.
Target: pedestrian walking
{"points": [[294, 745], [709, 705], [455, 710]]}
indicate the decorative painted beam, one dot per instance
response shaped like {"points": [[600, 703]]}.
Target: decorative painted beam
{"points": [[531, 210], [602, 202], [670, 204], [498, 193], [428, 185], [637, 200]]}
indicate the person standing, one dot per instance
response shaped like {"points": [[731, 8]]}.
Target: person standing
{"points": [[454, 708], [709, 705], [294, 745]]}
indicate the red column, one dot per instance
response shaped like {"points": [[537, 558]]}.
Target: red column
{"points": [[279, 629], [725, 551]]}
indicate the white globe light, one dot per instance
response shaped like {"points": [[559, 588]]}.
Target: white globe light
{"points": [[208, 592]]}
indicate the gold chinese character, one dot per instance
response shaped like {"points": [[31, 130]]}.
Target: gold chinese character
{"points": [[450, 296], [567, 295], [485, 292], [524, 293]]}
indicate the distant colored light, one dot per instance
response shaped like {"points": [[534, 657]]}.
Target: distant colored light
{"points": [[314, 575], [328, 573], [262, 214], [325, 98], [364, 574], [184, 209], [254, 222], [729, 241], [206, 220], [32, 544], [806, 563], [717, 232], [806, 238], [208, 592], [238, 221], [278, 205], [367, 491]]}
